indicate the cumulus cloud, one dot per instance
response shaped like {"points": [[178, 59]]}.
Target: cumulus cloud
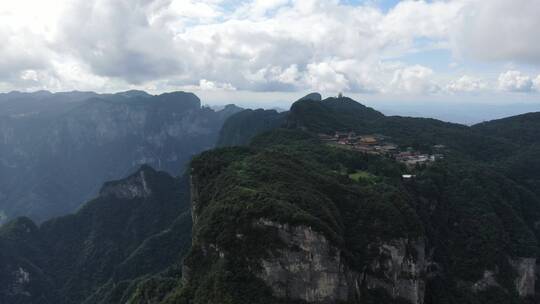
{"points": [[499, 30], [323, 77], [270, 45], [254, 45], [415, 80], [515, 81], [467, 84]]}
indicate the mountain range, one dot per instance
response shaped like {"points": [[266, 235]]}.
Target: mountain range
{"points": [[57, 149], [288, 210]]}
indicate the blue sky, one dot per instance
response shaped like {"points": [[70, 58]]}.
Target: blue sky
{"points": [[264, 50], [384, 5]]}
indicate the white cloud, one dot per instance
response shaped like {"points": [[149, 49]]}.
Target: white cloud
{"points": [[275, 45], [258, 45], [205, 10], [29, 75], [414, 80], [467, 84], [501, 30], [324, 77], [515, 81], [207, 85], [536, 83], [410, 20]]}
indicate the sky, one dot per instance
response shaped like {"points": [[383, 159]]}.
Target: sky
{"points": [[265, 51]]}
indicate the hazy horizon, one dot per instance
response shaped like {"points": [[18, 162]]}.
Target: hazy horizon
{"points": [[462, 112]]}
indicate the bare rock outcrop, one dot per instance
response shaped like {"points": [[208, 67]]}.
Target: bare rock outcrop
{"points": [[525, 269], [133, 187], [399, 270], [312, 269], [309, 269]]}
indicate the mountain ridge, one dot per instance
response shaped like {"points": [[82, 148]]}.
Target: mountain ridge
{"points": [[55, 158], [479, 232], [68, 259]]}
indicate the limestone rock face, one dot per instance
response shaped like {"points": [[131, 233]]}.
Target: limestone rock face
{"points": [[309, 269], [488, 280], [399, 270], [134, 187], [194, 197], [21, 277], [524, 282], [525, 269]]}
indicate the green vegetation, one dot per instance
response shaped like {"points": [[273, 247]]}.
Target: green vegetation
{"points": [[101, 253], [472, 213], [363, 176], [521, 132], [247, 124], [294, 181]]}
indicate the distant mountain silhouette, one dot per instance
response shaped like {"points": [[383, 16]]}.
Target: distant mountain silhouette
{"points": [[56, 149]]}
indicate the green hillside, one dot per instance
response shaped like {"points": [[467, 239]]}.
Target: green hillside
{"points": [[136, 228], [474, 217]]}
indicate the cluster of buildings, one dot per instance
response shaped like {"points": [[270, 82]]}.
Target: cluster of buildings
{"points": [[371, 144], [412, 158], [378, 145]]}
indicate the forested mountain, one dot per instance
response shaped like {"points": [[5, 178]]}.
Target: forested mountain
{"points": [[521, 133], [135, 228], [290, 217], [245, 125], [57, 149]]}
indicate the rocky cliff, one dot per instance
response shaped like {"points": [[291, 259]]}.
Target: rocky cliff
{"points": [[307, 268], [57, 149], [525, 280], [311, 269]]}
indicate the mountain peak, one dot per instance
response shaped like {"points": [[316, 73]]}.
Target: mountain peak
{"points": [[231, 106], [135, 186], [180, 98], [330, 114], [18, 228], [133, 93], [312, 96]]}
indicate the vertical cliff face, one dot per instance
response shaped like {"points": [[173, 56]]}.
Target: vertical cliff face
{"points": [[308, 268], [399, 269], [194, 191], [525, 280], [524, 274], [311, 269], [135, 186]]}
